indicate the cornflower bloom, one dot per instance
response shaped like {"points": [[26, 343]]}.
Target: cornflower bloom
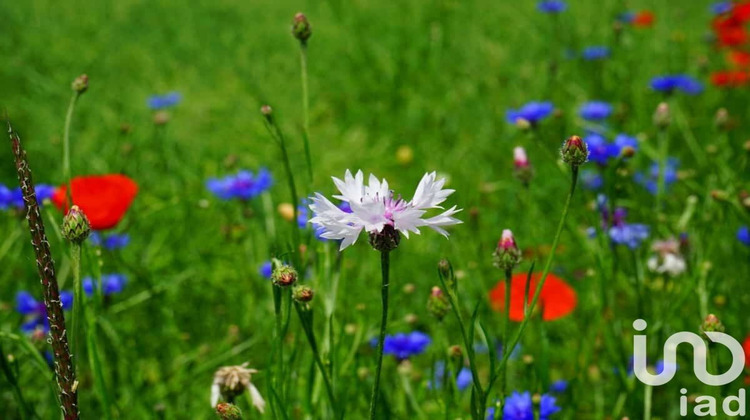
{"points": [[402, 346], [595, 110], [551, 6], [682, 82], [595, 52], [113, 284], [35, 312], [111, 242], [243, 185], [168, 100]]}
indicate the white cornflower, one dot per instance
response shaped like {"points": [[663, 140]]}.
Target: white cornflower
{"points": [[232, 381], [374, 207], [668, 259]]}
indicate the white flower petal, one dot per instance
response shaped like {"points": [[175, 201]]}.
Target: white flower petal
{"points": [[215, 393], [430, 193], [352, 188], [256, 398]]}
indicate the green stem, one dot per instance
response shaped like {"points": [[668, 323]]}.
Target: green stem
{"points": [[384, 268], [305, 106], [647, 396], [506, 325], [663, 140], [545, 272], [23, 408], [278, 354], [66, 147], [78, 309]]}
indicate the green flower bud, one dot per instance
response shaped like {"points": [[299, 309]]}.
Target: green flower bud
{"points": [[506, 255], [662, 116], [284, 276], [301, 28], [437, 304], [228, 411], [575, 152], [80, 84], [302, 294], [76, 226], [711, 324]]}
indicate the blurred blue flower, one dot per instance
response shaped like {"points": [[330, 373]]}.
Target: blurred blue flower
{"points": [[519, 406], [721, 7], [743, 234], [14, 198], [490, 413], [168, 100], [402, 346], [591, 180], [626, 17], [266, 270], [111, 242], [595, 110], [600, 150], [533, 112], [559, 386], [35, 311], [113, 284], [624, 140], [463, 379], [651, 180], [5, 197], [551, 6], [631, 235], [595, 52], [244, 185], [682, 82]]}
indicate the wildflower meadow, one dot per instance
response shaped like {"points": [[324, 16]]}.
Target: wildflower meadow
{"points": [[375, 210]]}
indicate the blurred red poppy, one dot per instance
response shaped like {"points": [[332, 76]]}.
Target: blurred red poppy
{"points": [[556, 300], [104, 199], [746, 346], [739, 58], [643, 19], [732, 78]]}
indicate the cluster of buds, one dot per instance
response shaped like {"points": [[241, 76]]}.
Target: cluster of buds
{"points": [[284, 275], [76, 226], [575, 151], [662, 116], [711, 324], [437, 304], [80, 84], [231, 381], [227, 411], [301, 28], [507, 255], [521, 166]]}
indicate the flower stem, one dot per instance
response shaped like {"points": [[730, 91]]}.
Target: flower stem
{"points": [[66, 147], [545, 271], [663, 140], [647, 397], [506, 325], [76, 343], [64, 369], [305, 317], [24, 410], [305, 106], [384, 268]]}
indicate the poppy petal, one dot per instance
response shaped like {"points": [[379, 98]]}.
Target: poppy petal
{"points": [[104, 199], [556, 300]]}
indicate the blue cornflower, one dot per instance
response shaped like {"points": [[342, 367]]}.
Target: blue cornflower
{"points": [[682, 82], [595, 52], [559, 386], [626, 17], [629, 234], [595, 110], [600, 150], [721, 7], [35, 311], [266, 270], [490, 413], [623, 140], [244, 185], [402, 346], [551, 6], [5, 197], [113, 284], [168, 100], [463, 379], [520, 407], [743, 234], [533, 112], [14, 198], [651, 180], [111, 242], [591, 180]]}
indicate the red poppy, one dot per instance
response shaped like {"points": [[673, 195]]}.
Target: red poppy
{"points": [[732, 36], [746, 346], [556, 300], [104, 199], [740, 58], [731, 78], [643, 19]]}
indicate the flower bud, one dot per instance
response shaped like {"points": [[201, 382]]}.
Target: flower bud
{"points": [[575, 151], [301, 28], [627, 152], [409, 288], [266, 110], [161, 117], [286, 211], [437, 304], [302, 294], [711, 324], [80, 84], [722, 119], [455, 352], [744, 198], [506, 255], [284, 276], [228, 411], [404, 155], [523, 124], [522, 167], [76, 226], [662, 116], [386, 240], [719, 195]]}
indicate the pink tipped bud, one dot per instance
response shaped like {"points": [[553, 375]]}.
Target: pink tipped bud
{"points": [[575, 151], [507, 255], [522, 167], [519, 157]]}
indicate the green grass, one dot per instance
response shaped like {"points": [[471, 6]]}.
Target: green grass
{"points": [[434, 76]]}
